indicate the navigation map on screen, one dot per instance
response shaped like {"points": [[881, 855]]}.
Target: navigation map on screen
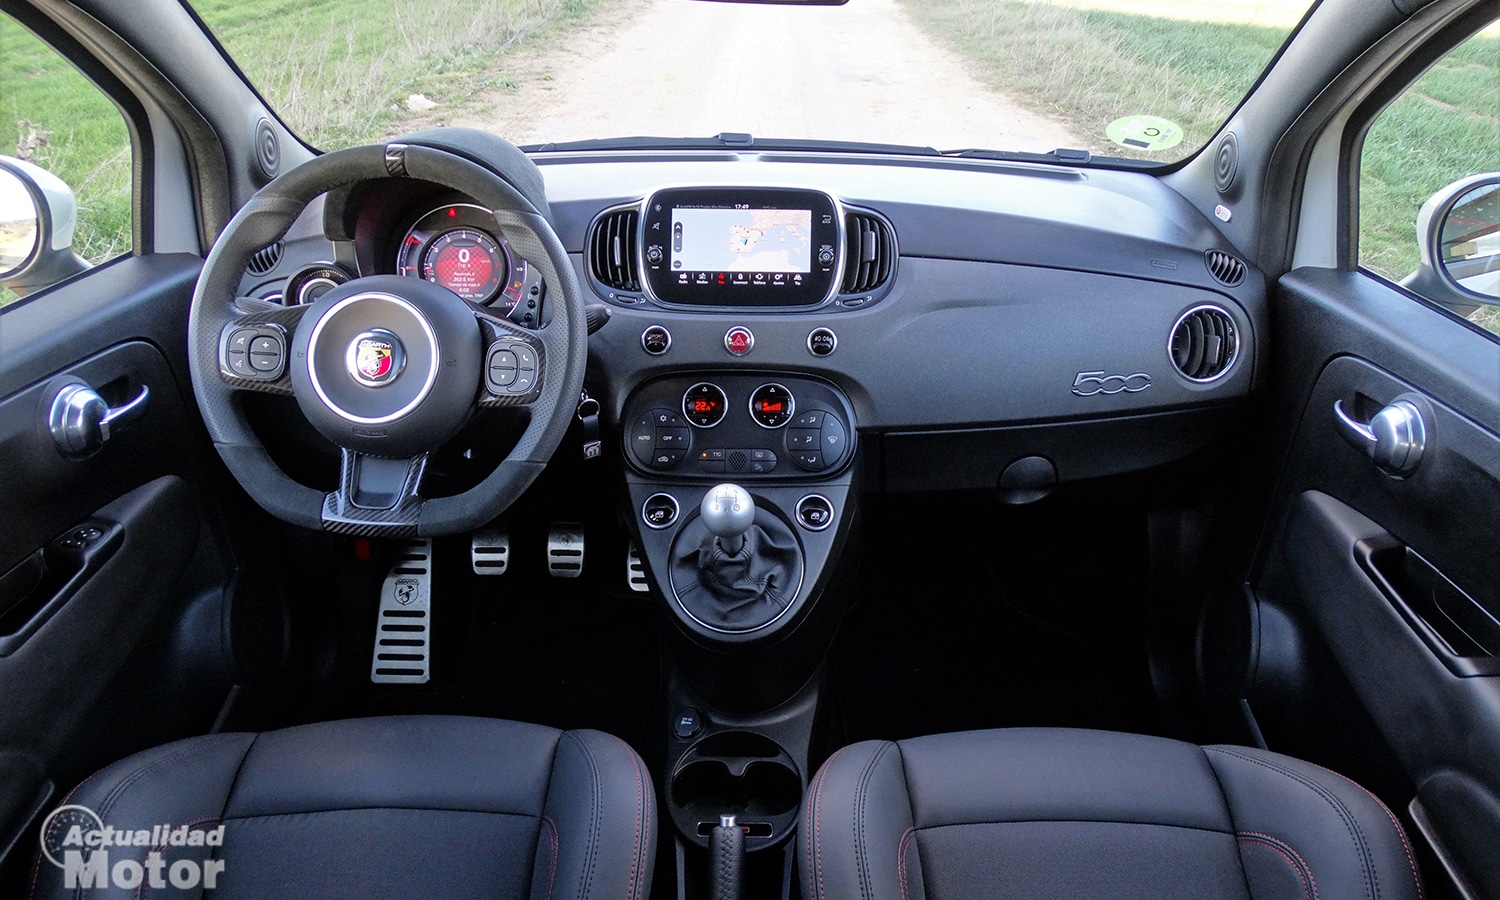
{"points": [[742, 240]]}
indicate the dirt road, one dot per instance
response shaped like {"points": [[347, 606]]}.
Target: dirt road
{"points": [[860, 72]]}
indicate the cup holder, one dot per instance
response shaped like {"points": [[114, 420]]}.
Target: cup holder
{"points": [[741, 774]]}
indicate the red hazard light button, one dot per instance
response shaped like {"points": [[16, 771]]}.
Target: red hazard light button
{"points": [[738, 340]]}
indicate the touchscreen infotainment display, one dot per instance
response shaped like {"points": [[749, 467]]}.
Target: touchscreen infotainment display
{"points": [[749, 247], [742, 240]]}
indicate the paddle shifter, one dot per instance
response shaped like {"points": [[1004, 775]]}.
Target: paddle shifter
{"points": [[728, 511], [735, 567]]}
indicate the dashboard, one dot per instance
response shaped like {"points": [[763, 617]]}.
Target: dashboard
{"points": [[949, 321]]}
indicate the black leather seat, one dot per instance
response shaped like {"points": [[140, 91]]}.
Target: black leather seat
{"points": [[402, 807], [1042, 813]]}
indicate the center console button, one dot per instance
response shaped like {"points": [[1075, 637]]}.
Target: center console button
{"points": [[810, 419], [712, 460], [814, 512], [656, 340], [643, 438], [811, 460], [834, 439], [762, 462], [803, 439], [659, 511], [673, 438], [666, 459]]}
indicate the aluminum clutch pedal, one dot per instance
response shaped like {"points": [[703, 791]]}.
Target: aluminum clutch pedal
{"points": [[403, 631]]}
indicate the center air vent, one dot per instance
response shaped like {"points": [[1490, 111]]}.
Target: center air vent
{"points": [[1205, 343], [1225, 269], [265, 259], [611, 250], [869, 253]]}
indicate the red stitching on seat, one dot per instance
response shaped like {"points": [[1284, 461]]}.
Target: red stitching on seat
{"points": [[140, 890], [1295, 867], [553, 837], [1400, 832], [36, 871], [901, 851], [640, 816], [817, 807]]}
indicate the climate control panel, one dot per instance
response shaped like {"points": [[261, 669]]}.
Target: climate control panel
{"points": [[741, 426]]}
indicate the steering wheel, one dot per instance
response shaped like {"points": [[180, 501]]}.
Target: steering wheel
{"points": [[387, 368]]}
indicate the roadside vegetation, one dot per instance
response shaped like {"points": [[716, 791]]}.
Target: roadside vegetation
{"points": [[339, 72], [1089, 66]]}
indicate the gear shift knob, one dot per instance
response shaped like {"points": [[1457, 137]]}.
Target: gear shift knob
{"points": [[728, 512]]}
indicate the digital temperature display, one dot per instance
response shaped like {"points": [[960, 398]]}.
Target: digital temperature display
{"points": [[704, 404]]}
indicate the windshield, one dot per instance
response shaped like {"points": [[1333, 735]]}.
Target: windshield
{"points": [[1145, 79]]}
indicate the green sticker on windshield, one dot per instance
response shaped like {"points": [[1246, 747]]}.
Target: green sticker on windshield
{"points": [[1147, 133]]}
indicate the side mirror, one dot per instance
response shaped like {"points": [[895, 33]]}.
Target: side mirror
{"points": [[38, 214], [1458, 234]]}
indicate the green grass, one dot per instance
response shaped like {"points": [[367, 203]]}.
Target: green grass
{"points": [[52, 116], [1446, 126], [356, 61], [1091, 66], [338, 72]]}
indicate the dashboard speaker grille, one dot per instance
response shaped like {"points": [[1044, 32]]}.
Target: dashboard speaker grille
{"points": [[612, 250], [265, 259], [1225, 269], [869, 254], [1205, 343]]}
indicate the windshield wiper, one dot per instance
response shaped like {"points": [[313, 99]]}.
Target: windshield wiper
{"points": [[729, 140]]}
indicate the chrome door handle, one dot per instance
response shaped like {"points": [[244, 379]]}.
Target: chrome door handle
{"points": [[1395, 438], [81, 422]]}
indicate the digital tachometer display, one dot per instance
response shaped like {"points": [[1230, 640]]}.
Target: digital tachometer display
{"points": [[467, 262], [458, 247]]}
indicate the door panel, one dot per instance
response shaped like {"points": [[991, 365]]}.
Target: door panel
{"points": [[1398, 578], [100, 558]]}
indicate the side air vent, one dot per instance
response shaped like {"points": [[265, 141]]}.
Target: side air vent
{"points": [[265, 259], [869, 253], [1205, 343], [1225, 269], [612, 246]]}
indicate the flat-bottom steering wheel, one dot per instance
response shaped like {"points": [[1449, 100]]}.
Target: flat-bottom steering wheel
{"points": [[385, 367]]}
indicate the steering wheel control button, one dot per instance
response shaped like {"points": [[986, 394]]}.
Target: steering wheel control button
{"points": [[814, 512], [659, 511], [704, 404], [833, 439], [266, 353], [822, 342], [512, 368], [257, 353], [656, 340], [771, 405], [375, 358], [739, 340]]}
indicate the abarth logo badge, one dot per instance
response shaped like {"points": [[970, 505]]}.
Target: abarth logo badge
{"points": [[375, 358]]}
